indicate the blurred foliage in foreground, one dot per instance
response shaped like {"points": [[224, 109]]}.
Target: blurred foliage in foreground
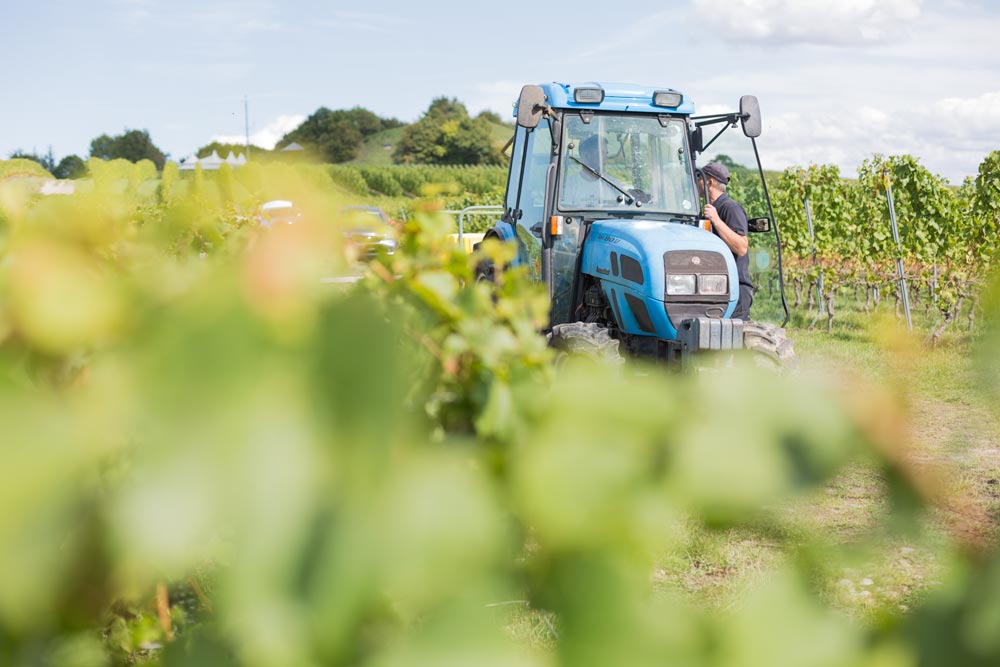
{"points": [[212, 457]]}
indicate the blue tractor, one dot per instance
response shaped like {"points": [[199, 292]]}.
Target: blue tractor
{"points": [[603, 205]]}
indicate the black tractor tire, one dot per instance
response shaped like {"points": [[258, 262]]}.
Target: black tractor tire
{"points": [[770, 346], [485, 272], [585, 339]]}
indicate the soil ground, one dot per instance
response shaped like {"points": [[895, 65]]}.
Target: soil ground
{"points": [[952, 430], [953, 434]]}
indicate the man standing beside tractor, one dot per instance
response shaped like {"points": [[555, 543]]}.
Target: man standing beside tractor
{"points": [[729, 222]]}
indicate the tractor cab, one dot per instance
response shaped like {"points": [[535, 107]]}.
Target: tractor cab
{"points": [[603, 204]]}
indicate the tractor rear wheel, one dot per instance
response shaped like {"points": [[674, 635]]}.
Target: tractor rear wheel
{"points": [[585, 339], [770, 346]]}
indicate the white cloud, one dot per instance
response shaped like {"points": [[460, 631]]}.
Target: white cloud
{"points": [[715, 109], [809, 21], [266, 137], [596, 41], [976, 117], [951, 137]]}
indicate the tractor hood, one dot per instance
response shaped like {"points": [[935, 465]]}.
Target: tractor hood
{"points": [[632, 260]]}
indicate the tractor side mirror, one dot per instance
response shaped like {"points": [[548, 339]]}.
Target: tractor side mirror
{"points": [[697, 140], [530, 106], [750, 116], [759, 225]]}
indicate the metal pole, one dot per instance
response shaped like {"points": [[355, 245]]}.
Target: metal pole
{"points": [[934, 285], [246, 122], [812, 239], [470, 211], [899, 257], [777, 235]]}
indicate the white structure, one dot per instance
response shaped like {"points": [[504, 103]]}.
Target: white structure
{"points": [[57, 187], [212, 162], [276, 212]]}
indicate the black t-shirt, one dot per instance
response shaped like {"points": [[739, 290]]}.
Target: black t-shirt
{"points": [[733, 215]]}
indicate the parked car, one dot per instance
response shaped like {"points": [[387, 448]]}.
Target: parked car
{"points": [[369, 230], [278, 212]]}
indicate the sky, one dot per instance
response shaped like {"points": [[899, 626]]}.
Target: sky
{"points": [[837, 80]]}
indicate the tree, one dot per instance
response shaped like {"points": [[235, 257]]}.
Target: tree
{"points": [[71, 166], [47, 161], [446, 135], [493, 117], [132, 145], [729, 162], [390, 123], [366, 122], [449, 108], [337, 135]]}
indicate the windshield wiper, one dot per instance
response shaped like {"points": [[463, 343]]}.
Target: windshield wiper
{"points": [[636, 196]]}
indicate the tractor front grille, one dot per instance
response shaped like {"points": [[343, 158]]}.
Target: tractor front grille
{"points": [[685, 307], [694, 261]]}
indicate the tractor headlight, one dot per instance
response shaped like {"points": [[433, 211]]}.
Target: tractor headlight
{"points": [[588, 95], [667, 98], [713, 284], [680, 284]]}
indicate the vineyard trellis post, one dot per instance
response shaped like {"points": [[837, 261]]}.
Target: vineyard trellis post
{"points": [[934, 281], [899, 255], [812, 240]]}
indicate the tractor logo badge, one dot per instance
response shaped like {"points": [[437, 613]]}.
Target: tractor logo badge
{"points": [[696, 260]]}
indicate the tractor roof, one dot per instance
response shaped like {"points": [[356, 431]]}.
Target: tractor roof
{"points": [[617, 97]]}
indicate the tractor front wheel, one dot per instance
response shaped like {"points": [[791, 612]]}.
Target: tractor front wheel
{"points": [[585, 339], [770, 346]]}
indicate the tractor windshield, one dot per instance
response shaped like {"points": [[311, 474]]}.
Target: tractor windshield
{"points": [[621, 161]]}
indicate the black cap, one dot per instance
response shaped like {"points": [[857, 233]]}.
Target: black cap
{"points": [[716, 170]]}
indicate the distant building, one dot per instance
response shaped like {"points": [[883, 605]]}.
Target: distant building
{"points": [[212, 162], [58, 187], [292, 147]]}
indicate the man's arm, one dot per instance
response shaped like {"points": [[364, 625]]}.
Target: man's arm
{"points": [[737, 243]]}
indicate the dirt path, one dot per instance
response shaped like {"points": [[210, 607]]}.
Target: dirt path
{"points": [[961, 442], [951, 433]]}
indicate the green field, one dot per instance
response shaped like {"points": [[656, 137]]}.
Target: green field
{"points": [[214, 454], [932, 405]]}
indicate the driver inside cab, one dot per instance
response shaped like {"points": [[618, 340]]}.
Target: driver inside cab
{"points": [[581, 187]]}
